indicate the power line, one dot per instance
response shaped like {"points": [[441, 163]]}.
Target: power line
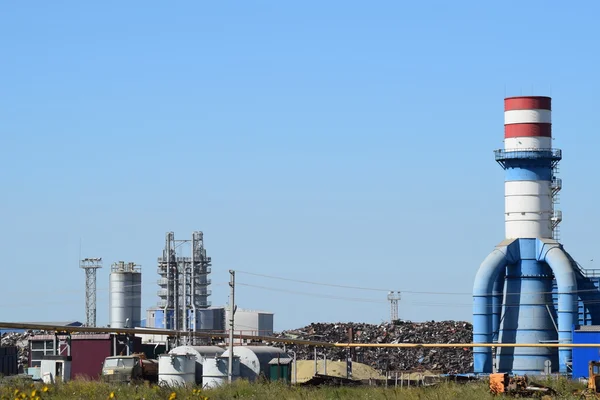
{"points": [[312, 294], [403, 291], [409, 302]]}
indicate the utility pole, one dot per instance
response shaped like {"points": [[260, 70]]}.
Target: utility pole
{"points": [[232, 308], [90, 265], [393, 299]]}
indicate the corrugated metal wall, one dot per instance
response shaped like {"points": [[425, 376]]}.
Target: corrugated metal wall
{"points": [[89, 354], [8, 360]]}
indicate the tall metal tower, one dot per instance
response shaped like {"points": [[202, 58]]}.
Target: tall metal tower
{"points": [[90, 265], [393, 298]]}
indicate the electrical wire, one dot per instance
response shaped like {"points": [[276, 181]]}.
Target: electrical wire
{"points": [[401, 291], [409, 302], [312, 294]]}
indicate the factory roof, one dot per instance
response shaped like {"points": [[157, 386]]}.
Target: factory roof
{"points": [[60, 323]]}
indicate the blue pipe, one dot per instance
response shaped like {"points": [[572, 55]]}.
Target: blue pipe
{"points": [[497, 298], [482, 311], [554, 255]]}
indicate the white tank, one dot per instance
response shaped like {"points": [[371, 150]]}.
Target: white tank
{"points": [[176, 370], [254, 360], [200, 353], [125, 297], [216, 370]]}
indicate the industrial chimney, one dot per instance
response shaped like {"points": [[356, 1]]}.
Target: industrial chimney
{"points": [[513, 292]]}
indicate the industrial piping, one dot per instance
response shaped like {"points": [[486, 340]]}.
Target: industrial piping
{"points": [[512, 292]]}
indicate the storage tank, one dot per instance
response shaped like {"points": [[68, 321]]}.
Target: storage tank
{"points": [[254, 360], [125, 297], [200, 353], [216, 370], [176, 370]]}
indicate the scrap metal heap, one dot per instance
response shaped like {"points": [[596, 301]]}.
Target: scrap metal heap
{"points": [[447, 360], [21, 342]]}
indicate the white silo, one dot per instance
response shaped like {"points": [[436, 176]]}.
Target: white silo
{"points": [[125, 297]]}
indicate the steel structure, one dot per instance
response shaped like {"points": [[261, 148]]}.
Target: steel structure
{"points": [[125, 295], [183, 282], [90, 266]]}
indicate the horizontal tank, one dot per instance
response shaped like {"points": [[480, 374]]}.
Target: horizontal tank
{"points": [[254, 360], [176, 370], [200, 353]]}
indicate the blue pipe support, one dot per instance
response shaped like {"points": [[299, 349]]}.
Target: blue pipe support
{"points": [[532, 274], [527, 319], [566, 281], [482, 315], [497, 297]]}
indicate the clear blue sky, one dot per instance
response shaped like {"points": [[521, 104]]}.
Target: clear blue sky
{"points": [[340, 142]]}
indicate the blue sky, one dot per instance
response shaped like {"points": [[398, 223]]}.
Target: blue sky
{"points": [[343, 143]]}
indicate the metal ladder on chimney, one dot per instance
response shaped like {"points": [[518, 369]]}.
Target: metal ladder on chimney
{"points": [[556, 186]]}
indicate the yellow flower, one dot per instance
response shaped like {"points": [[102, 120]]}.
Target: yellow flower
{"points": [[173, 396], [45, 389], [111, 395], [16, 392], [33, 393]]}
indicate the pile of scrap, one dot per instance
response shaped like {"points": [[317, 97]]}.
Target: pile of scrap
{"points": [[449, 360], [21, 342]]}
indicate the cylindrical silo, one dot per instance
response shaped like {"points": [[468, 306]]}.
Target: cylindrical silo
{"points": [[125, 297], [216, 371], [176, 370]]}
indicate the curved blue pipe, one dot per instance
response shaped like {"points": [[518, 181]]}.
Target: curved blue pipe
{"points": [[482, 307], [497, 299], [566, 282]]}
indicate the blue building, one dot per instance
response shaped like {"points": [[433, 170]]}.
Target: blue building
{"points": [[583, 355]]}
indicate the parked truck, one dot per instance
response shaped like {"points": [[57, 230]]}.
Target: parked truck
{"points": [[135, 368]]}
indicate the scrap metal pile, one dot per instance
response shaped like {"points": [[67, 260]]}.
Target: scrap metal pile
{"points": [[21, 342], [446, 360]]}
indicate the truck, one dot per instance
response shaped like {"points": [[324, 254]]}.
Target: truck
{"points": [[130, 369]]}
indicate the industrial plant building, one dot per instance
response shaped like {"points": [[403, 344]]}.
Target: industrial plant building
{"points": [[529, 290]]}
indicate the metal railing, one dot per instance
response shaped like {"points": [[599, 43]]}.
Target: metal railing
{"points": [[528, 153]]}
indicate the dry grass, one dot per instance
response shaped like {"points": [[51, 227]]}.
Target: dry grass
{"points": [[89, 390]]}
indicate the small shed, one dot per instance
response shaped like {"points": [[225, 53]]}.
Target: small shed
{"points": [[280, 369]]}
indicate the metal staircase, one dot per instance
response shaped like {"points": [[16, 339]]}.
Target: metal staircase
{"points": [[555, 187]]}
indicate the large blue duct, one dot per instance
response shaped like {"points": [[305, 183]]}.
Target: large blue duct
{"points": [[512, 293]]}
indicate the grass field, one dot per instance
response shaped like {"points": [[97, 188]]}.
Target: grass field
{"points": [[86, 390]]}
